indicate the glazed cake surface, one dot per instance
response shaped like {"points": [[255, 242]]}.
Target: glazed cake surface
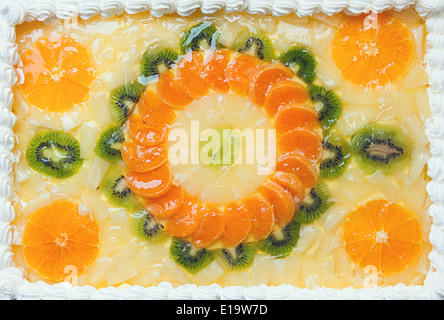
{"points": [[325, 227]]}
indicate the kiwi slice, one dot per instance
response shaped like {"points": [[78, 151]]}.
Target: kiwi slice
{"points": [[336, 155], [301, 61], [123, 100], [256, 43], [199, 35], [54, 153], [381, 147], [109, 142], [236, 258], [115, 188], [314, 204], [328, 105], [154, 62], [281, 242], [189, 257], [146, 227]]}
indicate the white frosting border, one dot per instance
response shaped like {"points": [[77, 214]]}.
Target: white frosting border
{"points": [[14, 12]]}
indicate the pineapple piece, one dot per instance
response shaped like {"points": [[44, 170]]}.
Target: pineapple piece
{"points": [[228, 33], [308, 239], [88, 138], [96, 173], [98, 106], [295, 34]]}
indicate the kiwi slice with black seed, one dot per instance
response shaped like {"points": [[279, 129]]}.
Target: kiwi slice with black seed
{"points": [[199, 36], [115, 189], [255, 43], [381, 147], [146, 227], [123, 100], [328, 105], [155, 62], [189, 257], [315, 203], [54, 153], [109, 142], [236, 258], [336, 155], [302, 61], [281, 242]]}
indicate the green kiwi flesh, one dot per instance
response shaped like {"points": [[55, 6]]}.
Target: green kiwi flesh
{"points": [[314, 204], [153, 63], [381, 147], [199, 35], [189, 257], [328, 105], [109, 142], [256, 43], [281, 242], [115, 189], [54, 153], [123, 100], [336, 156], [301, 61], [146, 227], [236, 258]]}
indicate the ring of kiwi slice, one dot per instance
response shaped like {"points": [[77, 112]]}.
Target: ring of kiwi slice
{"points": [[146, 227], [381, 147], [109, 142], [314, 204], [255, 43], [189, 257], [301, 61], [236, 258], [54, 153], [123, 100], [328, 105], [281, 242], [336, 156], [155, 62], [115, 189], [199, 36]]}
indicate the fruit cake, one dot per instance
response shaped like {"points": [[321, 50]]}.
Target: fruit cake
{"points": [[228, 152]]}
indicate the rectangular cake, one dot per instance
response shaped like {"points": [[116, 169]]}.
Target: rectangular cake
{"points": [[221, 149]]}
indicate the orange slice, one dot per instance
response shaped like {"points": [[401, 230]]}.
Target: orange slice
{"points": [[300, 166], [144, 133], [211, 227], [214, 70], [283, 93], [58, 73], [186, 221], [58, 236], [263, 78], [384, 235], [166, 205], [282, 202], [239, 72], [294, 116], [150, 184], [372, 52], [154, 111], [261, 214], [170, 91], [143, 159], [237, 225], [190, 75], [291, 183], [304, 141]]}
